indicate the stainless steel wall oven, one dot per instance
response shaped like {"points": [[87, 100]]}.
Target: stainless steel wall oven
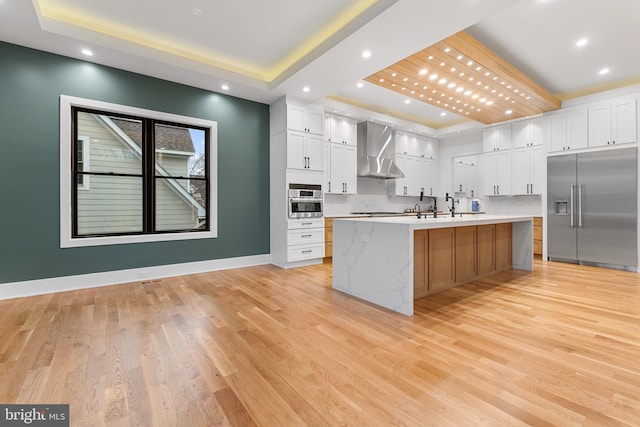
{"points": [[305, 201]]}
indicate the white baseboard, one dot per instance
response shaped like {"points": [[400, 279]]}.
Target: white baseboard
{"points": [[93, 280]]}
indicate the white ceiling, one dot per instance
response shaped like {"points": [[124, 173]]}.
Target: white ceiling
{"points": [[264, 50]]}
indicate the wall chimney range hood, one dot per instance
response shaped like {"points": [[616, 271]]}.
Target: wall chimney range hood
{"points": [[376, 144]]}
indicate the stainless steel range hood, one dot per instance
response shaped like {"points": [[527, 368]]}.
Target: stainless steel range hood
{"points": [[376, 144]]}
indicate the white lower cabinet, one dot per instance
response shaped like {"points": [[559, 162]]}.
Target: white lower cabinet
{"points": [[305, 239], [527, 172], [496, 173]]}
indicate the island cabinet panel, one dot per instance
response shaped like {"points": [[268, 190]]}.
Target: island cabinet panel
{"points": [[441, 259], [420, 264], [465, 251], [486, 249], [503, 246], [447, 257]]}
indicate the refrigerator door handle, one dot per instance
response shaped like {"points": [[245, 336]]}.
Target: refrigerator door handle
{"points": [[571, 206], [580, 206]]}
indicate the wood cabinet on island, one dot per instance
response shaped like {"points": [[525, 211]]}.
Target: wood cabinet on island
{"points": [[391, 261]]}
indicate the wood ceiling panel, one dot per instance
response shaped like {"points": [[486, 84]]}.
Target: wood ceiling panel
{"points": [[462, 76]]}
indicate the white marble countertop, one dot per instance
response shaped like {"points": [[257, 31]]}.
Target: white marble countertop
{"points": [[441, 221]]}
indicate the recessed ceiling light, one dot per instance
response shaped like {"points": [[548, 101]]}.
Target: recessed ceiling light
{"points": [[381, 80], [582, 42], [475, 96], [482, 99], [423, 71], [430, 57], [459, 57], [467, 93], [393, 75], [451, 85], [407, 101], [224, 87], [470, 63], [405, 79], [306, 89], [487, 73], [442, 81], [603, 71], [447, 50], [360, 84], [433, 76], [442, 64], [459, 89], [489, 103], [366, 54], [87, 52], [508, 112]]}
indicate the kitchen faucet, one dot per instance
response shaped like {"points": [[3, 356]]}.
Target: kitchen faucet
{"points": [[453, 204], [418, 213], [435, 207]]}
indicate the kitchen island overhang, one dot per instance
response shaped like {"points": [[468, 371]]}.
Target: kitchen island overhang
{"points": [[373, 258]]}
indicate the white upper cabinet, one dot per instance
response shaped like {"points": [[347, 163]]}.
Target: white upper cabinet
{"points": [[304, 119], [403, 186], [567, 130], [465, 176], [342, 169], [426, 177], [613, 122], [427, 148], [496, 138], [527, 133], [406, 143], [341, 130], [527, 171], [496, 173], [304, 151]]}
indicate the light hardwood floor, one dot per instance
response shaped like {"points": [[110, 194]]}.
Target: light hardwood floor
{"points": [[265, 346]]}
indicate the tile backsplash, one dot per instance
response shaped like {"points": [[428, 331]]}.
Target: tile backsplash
{"points": [[372, 197]]}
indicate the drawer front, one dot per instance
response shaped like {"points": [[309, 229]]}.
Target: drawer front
{"points": [[296, 224], [303, 252], [300, 237]]}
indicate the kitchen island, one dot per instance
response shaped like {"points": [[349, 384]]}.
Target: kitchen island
{"points": [[390, 261]]}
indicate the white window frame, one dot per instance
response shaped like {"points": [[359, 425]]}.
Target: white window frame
{"points": [[66, 178], [86, 179]]}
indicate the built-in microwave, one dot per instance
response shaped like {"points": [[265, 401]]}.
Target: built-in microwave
{"points": [[305, 201]]}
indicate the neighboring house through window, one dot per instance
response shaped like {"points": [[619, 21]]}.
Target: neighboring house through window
{"points": [[152, 175], [82, 162]]}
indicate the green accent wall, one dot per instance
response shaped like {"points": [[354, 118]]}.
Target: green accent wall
{"points": [[31, 83]]}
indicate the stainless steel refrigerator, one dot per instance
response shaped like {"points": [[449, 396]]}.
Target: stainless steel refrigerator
{"points": [[592, 208]]}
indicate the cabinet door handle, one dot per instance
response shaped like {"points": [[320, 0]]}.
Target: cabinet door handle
{"points": [[329, 186], [498, 189], [494, 190], [307, 223], [308, 251], [531, 188], [460, 187], [306, 235]]}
